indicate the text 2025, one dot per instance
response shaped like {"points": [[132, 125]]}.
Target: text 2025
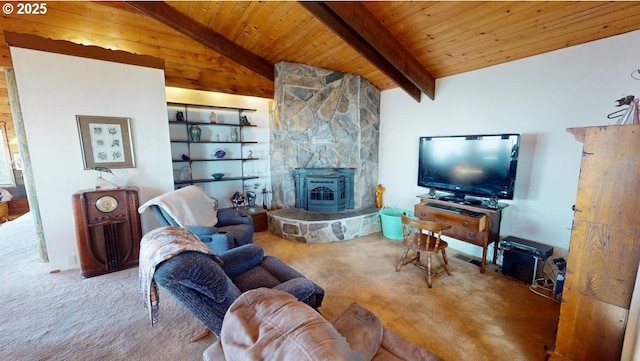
{"points": [[31, 8]]}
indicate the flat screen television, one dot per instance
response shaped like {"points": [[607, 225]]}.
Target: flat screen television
{"points": [[474, 165]]}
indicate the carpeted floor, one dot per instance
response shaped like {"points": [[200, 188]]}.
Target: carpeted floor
{"points": [[465, 316]]}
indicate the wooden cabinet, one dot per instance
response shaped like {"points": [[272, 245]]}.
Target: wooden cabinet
{"points": [[259, 216], [108, 230], [605, 246], [10, 210], [18, 207], [478, 225], [222, 130]]}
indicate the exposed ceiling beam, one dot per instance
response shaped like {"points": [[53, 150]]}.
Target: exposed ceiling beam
{"points": [[361, 20], [199, 32], [355, 25], [323, 13]]}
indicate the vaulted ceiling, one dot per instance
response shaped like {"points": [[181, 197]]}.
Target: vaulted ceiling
{"points": [[231, 46]]}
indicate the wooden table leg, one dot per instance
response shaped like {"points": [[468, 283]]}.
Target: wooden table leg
{"points": [[483, 262]]}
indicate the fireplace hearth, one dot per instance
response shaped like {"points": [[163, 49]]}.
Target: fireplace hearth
{"points": [[324, 189]]}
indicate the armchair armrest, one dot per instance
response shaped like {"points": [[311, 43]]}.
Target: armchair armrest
{"points": [[195, 271], [230, 216], [279, 269], [228, 213], [202, 230], [219, 242], [362, 329], [200, 285], [240, 259], [300, 288], [403, 349], [284, 273]]}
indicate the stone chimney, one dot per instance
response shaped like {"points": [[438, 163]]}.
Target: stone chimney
{"points": [[323, 119]]}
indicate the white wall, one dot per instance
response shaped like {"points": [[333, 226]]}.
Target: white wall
{"points": [[538, 97], [53, 89]]}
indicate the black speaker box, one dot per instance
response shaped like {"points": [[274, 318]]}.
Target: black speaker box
{"points": [[518, 265]]}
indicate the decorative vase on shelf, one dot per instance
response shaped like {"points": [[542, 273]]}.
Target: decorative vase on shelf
{"points": [[194, 132], [251, 199], [234, 134]]}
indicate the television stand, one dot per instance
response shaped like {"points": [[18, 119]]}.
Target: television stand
{"points": [[461, 200], [475, 224]]}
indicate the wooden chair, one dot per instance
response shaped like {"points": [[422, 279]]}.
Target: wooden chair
{"points": [[423, 236]]}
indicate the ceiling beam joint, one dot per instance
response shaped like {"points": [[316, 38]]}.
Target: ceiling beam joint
{"points": [[363, 32], [178, 21]]}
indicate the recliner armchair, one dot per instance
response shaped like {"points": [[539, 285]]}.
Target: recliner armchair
{"points": [[268, 325], [192, 209], [249, 268], [207, 289]]}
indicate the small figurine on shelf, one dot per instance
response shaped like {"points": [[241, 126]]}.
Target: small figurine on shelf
{"points": [[180, 116], [185, 173], [250, 156], [244, 120], [237, 199], [212, 118]]}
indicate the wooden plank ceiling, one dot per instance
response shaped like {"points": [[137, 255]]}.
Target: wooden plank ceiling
{"points": [[443, 38]]}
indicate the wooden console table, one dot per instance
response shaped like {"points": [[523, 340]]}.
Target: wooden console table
{"points": [[474, 224]]}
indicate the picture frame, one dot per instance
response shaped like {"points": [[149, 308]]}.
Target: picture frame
{"points": [[106, 141]]}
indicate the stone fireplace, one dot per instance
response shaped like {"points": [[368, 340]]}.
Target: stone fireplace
{"points": [[323, 119], [324, 153], [324, 189]]}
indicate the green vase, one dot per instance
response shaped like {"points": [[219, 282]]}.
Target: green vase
{"points": [[234, 134], [194, 132]]}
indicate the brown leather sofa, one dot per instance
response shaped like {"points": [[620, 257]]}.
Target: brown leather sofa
{"points": [[266, 324]]}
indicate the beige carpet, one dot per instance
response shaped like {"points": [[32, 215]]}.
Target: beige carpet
{"points": [[465, 316]]}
